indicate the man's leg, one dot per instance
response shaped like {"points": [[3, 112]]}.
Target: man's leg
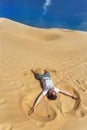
{"points": [[46, 74], [37, 75]]}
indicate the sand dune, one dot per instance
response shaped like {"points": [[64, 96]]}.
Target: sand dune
{"points": [[64, 54], [27, 32]]}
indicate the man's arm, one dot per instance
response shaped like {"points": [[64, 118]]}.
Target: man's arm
{"points": [[37, 100], [68, 94]]}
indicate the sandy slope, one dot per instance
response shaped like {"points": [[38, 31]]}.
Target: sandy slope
{"points": [[64, 53]]}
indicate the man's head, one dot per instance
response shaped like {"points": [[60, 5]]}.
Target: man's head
{"points": [[52, 94]]}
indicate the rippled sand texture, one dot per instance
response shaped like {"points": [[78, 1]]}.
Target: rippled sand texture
{"points": [[64, 54]]}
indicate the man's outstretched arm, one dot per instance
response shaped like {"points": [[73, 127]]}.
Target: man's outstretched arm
{"points": [[69, 95], [36, 102]]}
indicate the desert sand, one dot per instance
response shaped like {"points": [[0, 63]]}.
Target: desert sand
{"points": [[64, 53]]}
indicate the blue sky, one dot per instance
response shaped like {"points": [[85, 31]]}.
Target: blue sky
{"points": [[71, 14]]}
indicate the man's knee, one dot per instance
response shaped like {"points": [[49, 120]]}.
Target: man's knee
{"points": [[47, 74], [38, 76]]}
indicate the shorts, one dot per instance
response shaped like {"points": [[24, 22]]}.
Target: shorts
{"points": [[40, 77]]}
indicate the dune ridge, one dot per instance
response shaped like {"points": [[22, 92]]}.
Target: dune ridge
{"points": [[26, 31], [64, 54]]}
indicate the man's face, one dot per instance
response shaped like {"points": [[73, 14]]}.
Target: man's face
{"points": [[52, 91]]}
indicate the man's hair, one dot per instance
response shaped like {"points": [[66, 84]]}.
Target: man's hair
{"points": [[52, 96]]}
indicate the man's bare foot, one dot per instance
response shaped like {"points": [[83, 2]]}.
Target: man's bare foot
{"points": [[46, 70], [32, 71]]}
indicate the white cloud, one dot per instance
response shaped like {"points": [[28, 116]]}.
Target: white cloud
{"points": [[46, 5]]}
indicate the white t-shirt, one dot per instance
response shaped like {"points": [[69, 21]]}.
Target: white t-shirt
{"points": [[48, 84]]}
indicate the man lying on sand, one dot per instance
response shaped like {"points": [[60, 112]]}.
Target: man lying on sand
{"points": [[49, 89]]}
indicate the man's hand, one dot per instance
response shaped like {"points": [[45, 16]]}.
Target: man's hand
{"points": [[31, 111], [75, 97]]}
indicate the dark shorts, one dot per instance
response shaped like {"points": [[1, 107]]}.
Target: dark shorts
{"points": [[40, 77]]}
